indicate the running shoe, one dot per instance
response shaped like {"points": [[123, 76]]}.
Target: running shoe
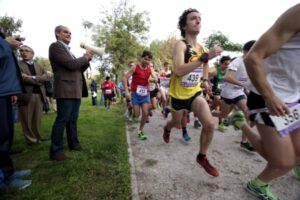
{"points": [[237, 119], [222, 127], [16, 183], [166, 135], [166, 112], [262, 192], [142, 136], [226, 122], [21, 173], [296, 171], [134, 119], [158, 107], [247, 146], [207, 166], [186, 136], [197, 124]]}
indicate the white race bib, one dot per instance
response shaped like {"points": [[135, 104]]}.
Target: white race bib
{"points": [[165, 82], [191, 79], [288, 123], [142, 90], [151, 87], [108, 91], [221, 84]]}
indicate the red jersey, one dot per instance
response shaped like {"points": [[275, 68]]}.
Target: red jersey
{"points": [[140, 77], [107, 87]]}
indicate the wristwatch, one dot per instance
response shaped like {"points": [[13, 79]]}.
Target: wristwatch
{"points": [[203, 58]]}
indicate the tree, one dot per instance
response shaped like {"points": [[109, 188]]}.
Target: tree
{"points": [[9, 25], [218, 38], [121, 31], [162, 51], [44, 62]]}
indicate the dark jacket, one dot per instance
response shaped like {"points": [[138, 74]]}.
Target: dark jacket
{"points": [[10, 76], [69, 81]]}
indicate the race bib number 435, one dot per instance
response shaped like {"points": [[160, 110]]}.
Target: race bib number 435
{"points": [[191, 79], [287, 123]]}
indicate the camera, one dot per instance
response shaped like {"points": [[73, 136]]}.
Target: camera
{"points": [[20, 39]]}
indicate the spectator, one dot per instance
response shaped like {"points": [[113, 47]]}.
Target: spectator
{"points": [[31, 102], [10, 85], [69, 87]]}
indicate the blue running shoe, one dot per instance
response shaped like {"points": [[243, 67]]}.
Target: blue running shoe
{"points": [[186, 136], [18, 183]]}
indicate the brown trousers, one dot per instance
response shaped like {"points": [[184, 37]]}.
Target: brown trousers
{"points": [[30, 116]]}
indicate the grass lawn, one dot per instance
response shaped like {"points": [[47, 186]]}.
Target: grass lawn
{"points": [[100, 171]]}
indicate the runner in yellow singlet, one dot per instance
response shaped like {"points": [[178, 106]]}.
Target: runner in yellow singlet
{"points": [[189, 60]]}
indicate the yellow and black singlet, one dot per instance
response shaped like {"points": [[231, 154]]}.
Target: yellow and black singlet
{"points": [[185, 87]]}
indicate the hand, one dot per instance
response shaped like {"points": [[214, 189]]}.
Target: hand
{"points": [[25, 75], [276, 106], [207, 87], [13, 42], [88, 54], [127, 95], [214, 52], [14, 99]]}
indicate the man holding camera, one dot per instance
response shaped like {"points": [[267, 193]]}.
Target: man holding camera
{"points": [[10, 86]]}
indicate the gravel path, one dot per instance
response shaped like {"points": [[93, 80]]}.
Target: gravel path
{"points": [[169, 171]]}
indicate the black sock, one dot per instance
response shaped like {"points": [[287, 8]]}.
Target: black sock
{"points": [[184, 130], [167, 129], [201, 156]]}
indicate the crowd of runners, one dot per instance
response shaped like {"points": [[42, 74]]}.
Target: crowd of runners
{"points": [[258, 89]]}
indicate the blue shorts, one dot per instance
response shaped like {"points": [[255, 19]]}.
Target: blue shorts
{"points": [[138, 100]]}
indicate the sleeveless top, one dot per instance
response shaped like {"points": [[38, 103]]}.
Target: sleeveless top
{"points": [[218, 80], [283, 71], [140, 77], [185, 87]]}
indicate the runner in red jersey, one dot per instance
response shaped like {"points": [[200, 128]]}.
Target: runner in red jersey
{"points": [[109, 90], [140, 96]]}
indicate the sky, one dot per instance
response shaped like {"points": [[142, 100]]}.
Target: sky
{"points": [[240, 20]]}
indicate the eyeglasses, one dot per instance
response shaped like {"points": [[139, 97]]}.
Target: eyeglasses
{"points": [[25, 50]]}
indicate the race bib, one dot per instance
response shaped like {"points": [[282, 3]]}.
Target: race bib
{"points": [[108, 91], [142, 90], [221, 84], [151, 87], [165, 82], [288, 123], [191, 79]]}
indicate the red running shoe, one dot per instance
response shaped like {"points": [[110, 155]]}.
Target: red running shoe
{"points": [[166, 135], [207, 166]]}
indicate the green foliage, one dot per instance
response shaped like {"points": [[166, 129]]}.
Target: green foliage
{"points": [[100, 171], [121, 31], [218, 38], [10, 25], [44, 62], [162, 51]]}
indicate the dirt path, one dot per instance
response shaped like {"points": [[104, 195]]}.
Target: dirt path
{"points": [[169, 171]]}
